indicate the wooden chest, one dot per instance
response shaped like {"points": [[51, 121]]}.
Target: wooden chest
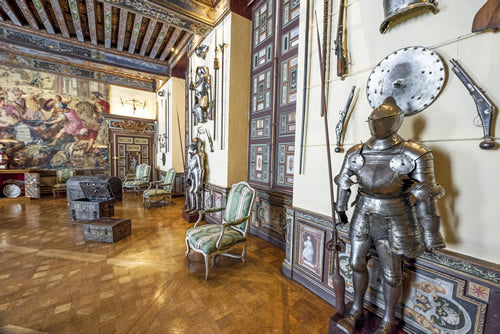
{"points": [[90, 209], [112, 187], [107, 229], [98, 202]]}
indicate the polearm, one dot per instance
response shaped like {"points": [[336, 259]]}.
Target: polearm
{"points": [[339, 43], [214, 102], [333, 245], [180, 140], [304, 95]]}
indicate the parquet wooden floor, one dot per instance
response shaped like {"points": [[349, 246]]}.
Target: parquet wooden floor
{"points": [[53, 281]]}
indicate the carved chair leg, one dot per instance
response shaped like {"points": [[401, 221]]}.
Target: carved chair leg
{"points": [[243, 252], [213, 261], [206, 266], [188, 248]]}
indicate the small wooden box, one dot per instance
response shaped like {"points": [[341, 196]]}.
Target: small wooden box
{"points": [[107, 229]]}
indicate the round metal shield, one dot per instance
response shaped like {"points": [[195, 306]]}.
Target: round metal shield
{"points": [[414, 76]]}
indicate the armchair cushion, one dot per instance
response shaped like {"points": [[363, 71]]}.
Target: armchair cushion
{"points": [[205, 237], [134, 183], [155, 192]]}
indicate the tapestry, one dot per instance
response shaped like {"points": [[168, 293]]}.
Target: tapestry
{"points": [[52, 121]]}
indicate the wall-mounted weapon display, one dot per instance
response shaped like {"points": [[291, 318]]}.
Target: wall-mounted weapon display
{"points": [[201, 51], [304, 88], [201, 130], [485, 107], [191, 119], [216, 79], [134, 103], [335, 244], [202, 105], [164, 138], [339, 129], [414, 76], [488, 17], [395, 10], [340, 50], [222, 48]]}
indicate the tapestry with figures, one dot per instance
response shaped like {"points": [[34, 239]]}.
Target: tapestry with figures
{"points": [[52, 121]]}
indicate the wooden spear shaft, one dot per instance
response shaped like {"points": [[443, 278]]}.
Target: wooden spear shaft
{"points": [[338, 280]]}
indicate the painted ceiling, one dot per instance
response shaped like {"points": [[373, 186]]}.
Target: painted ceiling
{"points": [[138, 38]]}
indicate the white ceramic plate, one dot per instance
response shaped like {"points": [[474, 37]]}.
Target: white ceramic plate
{"points": [[11, 191]]}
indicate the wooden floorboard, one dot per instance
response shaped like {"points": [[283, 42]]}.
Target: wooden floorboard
{"points": [[53, 281]]}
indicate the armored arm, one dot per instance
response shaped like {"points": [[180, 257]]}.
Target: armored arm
{"points": [[344, 182], [426, 193]]}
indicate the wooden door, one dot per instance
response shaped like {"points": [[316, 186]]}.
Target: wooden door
{"points": [[128, 150]]}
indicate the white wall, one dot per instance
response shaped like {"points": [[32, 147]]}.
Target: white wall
{"points": [[470, 175], [175, 96], [228, 165]]}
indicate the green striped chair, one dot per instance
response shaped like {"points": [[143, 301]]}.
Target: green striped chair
{"points": [[219, 239], [139, 180], [62, 176], [161, 191]]}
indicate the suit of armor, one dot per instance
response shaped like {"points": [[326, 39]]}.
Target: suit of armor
{"points": [[395, 207], [196, 172]]}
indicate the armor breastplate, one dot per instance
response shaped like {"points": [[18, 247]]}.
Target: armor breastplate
{"points": [[378, 176]]}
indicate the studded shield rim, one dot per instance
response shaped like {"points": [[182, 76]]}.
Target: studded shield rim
{"points": [[414, 76]]}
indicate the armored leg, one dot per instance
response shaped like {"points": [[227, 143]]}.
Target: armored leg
{"points": [[392, 275], [359, 251]]}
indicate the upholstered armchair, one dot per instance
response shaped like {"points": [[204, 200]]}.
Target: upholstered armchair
{"points": [[139, 180], [160, 191], [219, 239], [62, 176]]}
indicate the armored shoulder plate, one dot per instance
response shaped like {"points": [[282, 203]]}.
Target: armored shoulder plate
{"points": [[355, 149], [413, 149], [354, 158]]}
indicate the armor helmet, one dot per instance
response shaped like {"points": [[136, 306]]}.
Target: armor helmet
{"points": [[386, 119], [394, 9]]}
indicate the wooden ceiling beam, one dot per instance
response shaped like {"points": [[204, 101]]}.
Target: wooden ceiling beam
{"points": [[122, 26], [181, 48], [159, 41], [43, 15], [91, 21], [147, 36], [27, 14], [170, 43], [6, 8], [25, 40], [60, 17], [75, 15], [107, 25], [136, 28]]}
